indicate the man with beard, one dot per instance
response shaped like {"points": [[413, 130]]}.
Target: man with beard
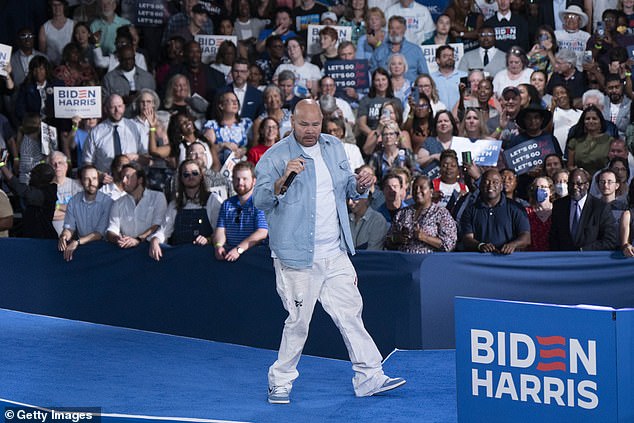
{"points": [[580, 221], [310, 240], [447, 78], [240, 224], [617, 106], [494, 224], [86, 214], [135, 216], [396, 43], [420, 23], [107, 25]]}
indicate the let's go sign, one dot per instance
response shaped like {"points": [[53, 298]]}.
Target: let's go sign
{"points": [[525, 362]]}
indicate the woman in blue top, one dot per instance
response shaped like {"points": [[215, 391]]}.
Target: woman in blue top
{"points": [[230, 132]]}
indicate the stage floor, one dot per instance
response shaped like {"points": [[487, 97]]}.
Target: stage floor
{"points": [[133, 375]]}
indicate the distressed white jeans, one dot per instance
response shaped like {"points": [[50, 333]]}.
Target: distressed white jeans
{"points": [[333, 282]]}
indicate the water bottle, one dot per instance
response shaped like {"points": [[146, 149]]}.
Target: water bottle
{"points": [[400, 162]]}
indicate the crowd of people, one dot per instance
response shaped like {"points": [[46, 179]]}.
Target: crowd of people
{"points": [[173, 158]]}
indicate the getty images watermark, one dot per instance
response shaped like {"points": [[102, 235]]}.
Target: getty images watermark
{"points": [[52, 414]]}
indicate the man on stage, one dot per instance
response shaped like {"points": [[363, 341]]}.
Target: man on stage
{"points": [[309, 235]]}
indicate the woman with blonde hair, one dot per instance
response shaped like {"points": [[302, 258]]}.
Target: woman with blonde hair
{"points": [[176, 92]]}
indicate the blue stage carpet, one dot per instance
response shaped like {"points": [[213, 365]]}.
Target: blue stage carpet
{"points": [[51, 362]]}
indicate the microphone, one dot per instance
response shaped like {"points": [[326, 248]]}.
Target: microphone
{"points": [[288, 182]]}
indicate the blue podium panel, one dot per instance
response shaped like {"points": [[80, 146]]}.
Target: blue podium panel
{"points": [[527, 362]]}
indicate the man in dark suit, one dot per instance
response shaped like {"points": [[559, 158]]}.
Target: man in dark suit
{"points": [[251, 99], [580, 221], [495, 59]]}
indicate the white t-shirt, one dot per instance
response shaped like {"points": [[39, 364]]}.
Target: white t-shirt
{"points": [[326, 220], [575, 41], [502, 80], [303, 74]]}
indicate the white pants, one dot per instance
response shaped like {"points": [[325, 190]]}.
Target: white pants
{"points": [[333, 282]]}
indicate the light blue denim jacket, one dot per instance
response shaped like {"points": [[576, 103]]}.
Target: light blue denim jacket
{"points": [[291, 217]]}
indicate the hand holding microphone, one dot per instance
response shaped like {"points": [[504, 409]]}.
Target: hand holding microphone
{"points": [[293, 168]]}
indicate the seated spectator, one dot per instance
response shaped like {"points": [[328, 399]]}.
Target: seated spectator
{"points": [[441, 34], [6, 214], [336, 127], [474, 125], [327, 87], [504, 125], [275, 52], [443, 131], [273, 108], [280, 27], [177, 92], [268, 134], [539, 212], [420, 122], [328, 38], [228, 130], [538, 80], [608, 184], [308, 75], [135, 216], [286, 82], [580, 221], [182, 19], [127, 79], [394, 192], [424, 227], [447, 188], [173, 54], [112, 184], [86, 217], [494, 224], [66, 187], [589, 144], [183, 133], [367, 225], [572, 36], [225, 59], [203, 80], [192, 216], [240, 224], [565, 114], [113, 136], [38, 197], [393, 153], [216, 182], [391, 113], [197, 24], [247, 28]]}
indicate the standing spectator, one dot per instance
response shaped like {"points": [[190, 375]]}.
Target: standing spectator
{"points": [[542, 55], [249, 98], [447, 77], [426, 85], [228, 131], [572, 36], [354, 16], [394, 191], [273, 108], [66, 187], [203, 80], [589, 144], [396, 43], [540, 212], [444, 128], [56, 32], [374, 36], [516, 71], [308, 12], [38, 198], [466, 23], [240, 224], [107, 25], [420, 25], [81, 38], [368, 116], [87, 214], [580, 221], [282, 27], [368, 226], [494, 224], [423, 227], [617, 106], [608, 186], [191, 217], [135, 216], [22, 55], [566, 74], [511, 29], [486, 57], [73, 70], [307, 75], [182, 19], [268, 134], [113, 182], [276, 56], [441, 34], [36, 93], [197, 23], [247, 28], [115, 135]]}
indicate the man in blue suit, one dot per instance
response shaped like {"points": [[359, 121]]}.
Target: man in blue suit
{"points": [[251, 100]]}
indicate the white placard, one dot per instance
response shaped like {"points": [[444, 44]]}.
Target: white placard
{"points": [[483, 152], [209, 45], [313, 45], [77, 101], [5, 57], [48, 135], [429, 51]]}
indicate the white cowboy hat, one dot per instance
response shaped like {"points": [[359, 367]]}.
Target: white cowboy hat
{"points": [[575, 10]]}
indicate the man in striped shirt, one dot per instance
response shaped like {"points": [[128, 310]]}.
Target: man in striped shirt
{"points": [[240, 224]]}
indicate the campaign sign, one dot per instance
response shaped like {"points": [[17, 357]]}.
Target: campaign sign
{"points": [[429, 51], [147, 12], [348, 73], [525, 156], [483, 152], [5, 57], [77, 101], [525, 362], [209, 45], [48, 136], [312, 42]]}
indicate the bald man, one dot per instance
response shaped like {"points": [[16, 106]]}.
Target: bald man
{"points": [[310, 240]]}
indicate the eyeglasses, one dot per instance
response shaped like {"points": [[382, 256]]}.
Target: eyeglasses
{"points": [[238, 214], [487, 34], [606, 182], [26, 36], [579, 184], [422, 106], [190, 174], [571, 16], [390, 134]]}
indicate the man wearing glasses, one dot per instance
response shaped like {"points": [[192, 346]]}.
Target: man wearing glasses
{"points": [[240, 224], [580, 221], [250, 98], [487, 57], [22, 56]]}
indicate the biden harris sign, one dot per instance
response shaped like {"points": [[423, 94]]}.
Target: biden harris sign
{"points": [[84, 102], [525, 362]]}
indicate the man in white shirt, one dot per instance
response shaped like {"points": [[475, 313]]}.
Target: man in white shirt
{"points": [[420, 25], [115, 135], [134, 217]]}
